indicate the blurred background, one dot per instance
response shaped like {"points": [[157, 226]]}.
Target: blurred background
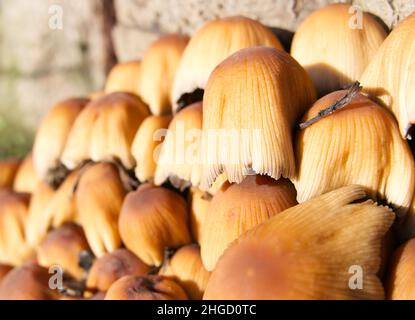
{"points": [[44, 60]]}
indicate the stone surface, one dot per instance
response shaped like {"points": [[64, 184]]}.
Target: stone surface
{"points": [[151, 17], [39, 65]]}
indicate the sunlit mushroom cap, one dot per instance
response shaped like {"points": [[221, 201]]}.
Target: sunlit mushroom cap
{"points": [[180, 157], [358, 144], [236, 208], [335, 44], [26, 178], [52, 136], [105, 130], [158, 68], [186, 268], [124, 77], [151, 220], [198, 205], [214, 42], [251, 104], [8, 171], [13, 217], [50, 208], [62, 247], [326, 248], [390, 76], [99, 197], [147, 144]]}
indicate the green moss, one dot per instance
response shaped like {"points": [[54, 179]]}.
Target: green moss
{"points": [[15, 139]]}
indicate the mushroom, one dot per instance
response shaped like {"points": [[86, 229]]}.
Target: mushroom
{"points": [[237, 208], [123, 77], [146, 146], [105, 130], [251, 104], [62, 247], [113, 266], [333, 48], [151, 220], [51, 138], [145, 288], [358, 144], [8, 170], [27, 282], [214, 42], [186, 268], [180, 157], [326, 248], [99, 196], [26, 178], [13, 216], [158, 67], [389, 78]]}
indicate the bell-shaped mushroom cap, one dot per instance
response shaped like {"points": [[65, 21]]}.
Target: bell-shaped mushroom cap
{"points": [[113, 266], [51, 138], [250, 106], [180, 157], [400, 284], [358, 144], [390, 76], [4, 270], [335, 44], [214, 42], [326, 248], [62, 247], [51, 209], [26, 178], [151, 220], [105, 130], [237, 208], [158, 68], [27, 282], [8, 171], [145, 288], [35, 230], [198, 207], [186, 268], [146, 146], [13, 216], [99, 197], [124, 77]]}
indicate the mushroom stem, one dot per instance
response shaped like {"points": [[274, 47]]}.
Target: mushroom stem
{"points": [[354, 89]]}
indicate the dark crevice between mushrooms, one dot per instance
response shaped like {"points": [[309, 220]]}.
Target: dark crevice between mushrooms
{"points": [[127, 176], [187, 98], [410, 137], [56, 175], [86, 259], [180, 190]]}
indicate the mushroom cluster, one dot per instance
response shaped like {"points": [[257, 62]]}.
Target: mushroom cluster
{"points": [[220, 166]]}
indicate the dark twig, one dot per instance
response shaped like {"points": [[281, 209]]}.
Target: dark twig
{"points": [[354, 89]]}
